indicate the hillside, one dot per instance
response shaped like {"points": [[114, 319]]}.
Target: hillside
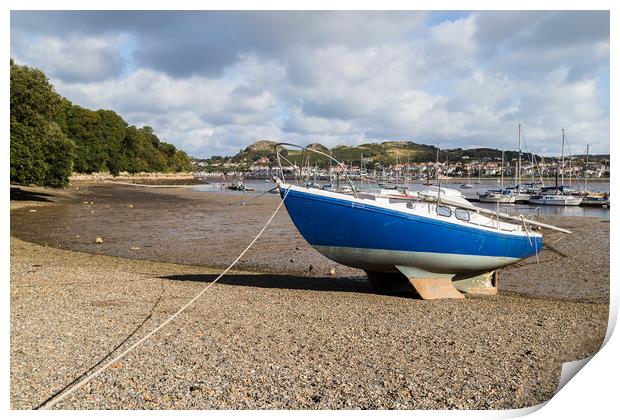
{"points": [[385, 154]]}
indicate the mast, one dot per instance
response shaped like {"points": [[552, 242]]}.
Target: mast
{"points": [[586, 171], [437, 162], [329, 167], [408, 173], [361, 163], [570, 169], [562, 166], [502, 171], [519, 160], [533, 167], [397, 168]]}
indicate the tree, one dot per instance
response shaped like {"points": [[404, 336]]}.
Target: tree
{"points": [[59, 154], [27, 165], [50, 137], [40, 152]]}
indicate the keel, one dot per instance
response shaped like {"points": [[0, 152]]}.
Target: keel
{"points": [[431, 285], [481, 284]]}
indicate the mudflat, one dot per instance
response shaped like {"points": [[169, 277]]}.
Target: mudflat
{"points": [[184, 226], [281, 332]]}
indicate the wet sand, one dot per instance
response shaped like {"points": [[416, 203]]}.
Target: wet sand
{"points": [[287, 338]]}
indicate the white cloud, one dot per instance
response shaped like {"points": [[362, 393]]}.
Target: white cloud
{"points": [[74, 58], [356, 77]]}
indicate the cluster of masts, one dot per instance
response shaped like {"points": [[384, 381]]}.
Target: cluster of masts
{"points": [[538, 194], [436, 195], [533, 192]]}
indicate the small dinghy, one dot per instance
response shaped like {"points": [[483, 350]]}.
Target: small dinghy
{"points": [[440, 246]]}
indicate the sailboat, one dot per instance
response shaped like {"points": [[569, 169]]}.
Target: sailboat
{"points": [[519, 192], [441, 247], [560, 195], [593, 199], [467, 185], [502, 195]]}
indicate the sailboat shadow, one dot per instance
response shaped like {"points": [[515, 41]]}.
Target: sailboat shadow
{"points": [[291, 282]]}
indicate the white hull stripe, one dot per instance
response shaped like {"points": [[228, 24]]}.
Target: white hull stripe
{"points": [[427, 262]]}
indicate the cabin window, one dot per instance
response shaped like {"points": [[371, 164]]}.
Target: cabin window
{"points": [[462, 214], [366, 196], [444, 211]]}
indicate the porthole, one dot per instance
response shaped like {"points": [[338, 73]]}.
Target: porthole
{"points": [[444, 211], [462, 214]]}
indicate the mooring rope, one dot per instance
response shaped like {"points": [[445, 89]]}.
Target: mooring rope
{"points": [[535, 243], [55, 400]]}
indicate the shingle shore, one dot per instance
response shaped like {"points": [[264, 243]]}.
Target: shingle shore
{"points": [[282, 341]]}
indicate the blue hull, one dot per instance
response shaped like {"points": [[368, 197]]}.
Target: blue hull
{"points": [[376, 238]]}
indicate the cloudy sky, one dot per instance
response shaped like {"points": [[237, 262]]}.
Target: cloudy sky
{"points": [[213, 82]]}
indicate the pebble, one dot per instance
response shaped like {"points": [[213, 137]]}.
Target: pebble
{"points": [[98, 240], [313, 341]]}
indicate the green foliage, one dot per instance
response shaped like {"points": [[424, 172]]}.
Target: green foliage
{"points": [[41, 153], [59, 154], [32, 96], [27, 163], [390, 152], [50, 137]]}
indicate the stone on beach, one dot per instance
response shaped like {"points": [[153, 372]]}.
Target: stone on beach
{"points": [[283, 335], [98, 240]]}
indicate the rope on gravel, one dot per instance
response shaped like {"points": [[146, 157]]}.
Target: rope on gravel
{"points": [[535, 244], [53, 401]]}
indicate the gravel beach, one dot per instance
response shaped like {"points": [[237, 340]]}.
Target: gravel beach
{"points": [[281, 333]]}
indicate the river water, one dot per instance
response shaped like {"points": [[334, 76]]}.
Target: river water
{"points": [[261, 186]]}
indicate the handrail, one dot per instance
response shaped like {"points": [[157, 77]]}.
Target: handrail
{"points": [[493, 213], [423, 197], [315, 151]]}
